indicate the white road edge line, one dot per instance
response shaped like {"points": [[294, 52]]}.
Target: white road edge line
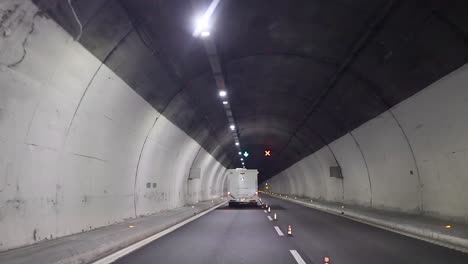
{"points": [[269, 218], [125, 251], [297, 257], [278, 230]]}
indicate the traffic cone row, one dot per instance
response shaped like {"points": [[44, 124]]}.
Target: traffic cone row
{"points": [[275, 218]]}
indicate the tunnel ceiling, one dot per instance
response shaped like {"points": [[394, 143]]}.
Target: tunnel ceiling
{"points": [[299, 74]]}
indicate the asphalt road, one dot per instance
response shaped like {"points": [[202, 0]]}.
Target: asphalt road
{"points": [[246, 235]]}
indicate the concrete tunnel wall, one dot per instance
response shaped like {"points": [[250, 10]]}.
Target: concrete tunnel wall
{"points": [[412, 158], [79, 149]]}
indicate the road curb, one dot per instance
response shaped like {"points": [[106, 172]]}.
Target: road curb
{"points": [[425, 234], [82, 248], [122, 252]]}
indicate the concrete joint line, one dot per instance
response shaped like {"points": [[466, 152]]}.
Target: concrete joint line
{"points": [[137, 169], [457, 243], [125, 251], [420, 192], [339, 165], [365, 163]]}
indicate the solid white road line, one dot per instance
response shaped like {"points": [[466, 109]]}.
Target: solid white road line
{"points": [[297, 257], [269, 218], [123, 252], [278, 230]]}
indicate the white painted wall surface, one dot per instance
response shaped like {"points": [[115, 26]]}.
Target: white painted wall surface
{"points": [[357, 188], [412, 158], [332, 186], [435, 121], [390, 164], [314, 182], [77, 145]]}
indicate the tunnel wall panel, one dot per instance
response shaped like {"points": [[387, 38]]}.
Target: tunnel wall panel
{"points": [[354, 169], [411, 158], [78, 146], [332, 186], [313, 177], [391, 167], [210, 171], [435, 121]]}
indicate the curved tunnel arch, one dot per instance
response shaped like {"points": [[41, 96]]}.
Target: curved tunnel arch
{"points": [[85, 118]]}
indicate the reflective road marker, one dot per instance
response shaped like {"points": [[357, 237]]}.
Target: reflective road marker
{"points": [[297, 257], [278, 230]]}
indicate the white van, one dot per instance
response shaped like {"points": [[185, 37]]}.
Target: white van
{"points": [[242, 186]]}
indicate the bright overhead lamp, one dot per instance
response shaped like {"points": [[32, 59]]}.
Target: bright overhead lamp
{"points": [[203, 23], [242, 159], [222, 93], [202, 26], [232, 127], [225, 102], [237, 143]]}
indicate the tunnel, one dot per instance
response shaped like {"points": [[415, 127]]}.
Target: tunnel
{"points": [[121, 121]]}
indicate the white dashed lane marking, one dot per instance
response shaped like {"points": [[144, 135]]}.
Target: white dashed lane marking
{"points": [[269, 218], [125, 251], [278, 230], [297, 257]]}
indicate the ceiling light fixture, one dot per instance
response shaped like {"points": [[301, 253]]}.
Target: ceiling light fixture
{"points": [[202, 23], [232, 127], [225, 102], [237, 143], [222, 93], [205, 34]]}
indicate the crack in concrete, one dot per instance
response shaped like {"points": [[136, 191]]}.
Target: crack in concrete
{"points": [[108, 117], [89, 157], [25, 42], [39, 146]]}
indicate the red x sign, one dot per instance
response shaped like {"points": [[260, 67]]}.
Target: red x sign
{"points": [[267, 153]]}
